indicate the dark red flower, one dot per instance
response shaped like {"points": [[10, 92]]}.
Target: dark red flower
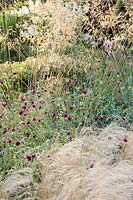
{"points": [[84, 91], [18, 143], [24, 107], [125, 140], [33, 105], [69, 118], [5, 130], [21, 112], [96, 118], [28, 157], [123, 118], [25, 103], [54, 114], [13, 129], [38, 92], [27, 134], [65, 89], [4, 104], [22, 123], [32, 92], [9, 141], [65, 115], [69, 134]]}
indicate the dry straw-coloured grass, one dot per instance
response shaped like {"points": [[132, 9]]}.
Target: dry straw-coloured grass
{"points": [[91, 167]]}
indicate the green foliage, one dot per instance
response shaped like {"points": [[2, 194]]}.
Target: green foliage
{"points": [[120, 6], [18, 77], [18, 49]]}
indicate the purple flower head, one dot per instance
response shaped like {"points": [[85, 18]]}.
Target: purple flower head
{"points": [[33, 105], [84, 91], [54, 114], [28, 157], [65, 89], [22, 123], [25, 103], [18, 143], [108, 44], [69, 118], [69, 134], [46, 112], [4, 104], [24, 107], [96, 118], [21, 112], [123, 119], [125, 140], [38, 92], [32, 92], [5, 130], [14, 72], [27, 134], [9, 141], [13, 129], [65, 115]]}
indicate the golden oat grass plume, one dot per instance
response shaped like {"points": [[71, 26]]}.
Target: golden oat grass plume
{"points": [[60, 33], [63, 24]]}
